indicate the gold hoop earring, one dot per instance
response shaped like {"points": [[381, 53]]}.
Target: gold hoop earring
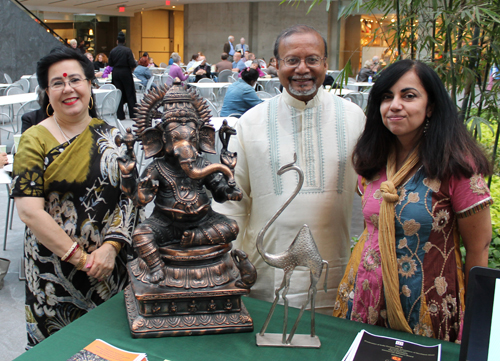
{"points": [[47, 110], [92, 101]]}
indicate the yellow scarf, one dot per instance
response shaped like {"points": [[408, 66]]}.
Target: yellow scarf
{"points": [[387, 239]]}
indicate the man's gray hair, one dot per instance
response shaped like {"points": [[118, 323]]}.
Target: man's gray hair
{"points": [[296, 29], [175, 57]]}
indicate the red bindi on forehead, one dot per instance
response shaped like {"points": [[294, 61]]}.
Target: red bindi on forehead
{"points": [[65, 75]]}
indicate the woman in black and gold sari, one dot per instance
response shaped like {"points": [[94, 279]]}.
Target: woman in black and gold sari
{"points": [[67, 191]]}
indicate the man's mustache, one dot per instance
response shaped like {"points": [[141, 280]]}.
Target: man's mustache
{"points": [[302, 77]]}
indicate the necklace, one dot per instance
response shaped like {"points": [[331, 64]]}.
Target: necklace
{"points": [[60, 129]]}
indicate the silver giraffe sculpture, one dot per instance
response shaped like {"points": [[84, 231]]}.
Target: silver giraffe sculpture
{"points": [[301, 252]]}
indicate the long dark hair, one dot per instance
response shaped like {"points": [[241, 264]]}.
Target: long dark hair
{"points": [[59, 54], [446, 148]]}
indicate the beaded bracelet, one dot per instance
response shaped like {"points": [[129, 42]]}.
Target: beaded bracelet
{"points": [[70, 252], [116, 245], [83, 261]]}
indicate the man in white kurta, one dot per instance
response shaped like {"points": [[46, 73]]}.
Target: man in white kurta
{"points": [[322, 132]]}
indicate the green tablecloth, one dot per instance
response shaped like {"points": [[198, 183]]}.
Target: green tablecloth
{"points": [[109, 323]]}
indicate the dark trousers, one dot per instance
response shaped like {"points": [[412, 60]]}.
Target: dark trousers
{"points": [[122, 79]]}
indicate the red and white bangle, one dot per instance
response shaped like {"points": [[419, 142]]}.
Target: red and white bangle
{"points": [[70, 252]]}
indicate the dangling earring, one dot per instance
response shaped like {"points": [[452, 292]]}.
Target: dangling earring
{"points": [[92, 102], [47, 110], [426, 125]]}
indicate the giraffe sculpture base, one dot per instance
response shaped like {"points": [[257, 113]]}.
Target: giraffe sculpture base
{"points": [[198, 296], [298, 341]]}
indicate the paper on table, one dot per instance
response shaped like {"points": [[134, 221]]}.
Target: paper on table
{"points": [[377, 348], [194, 65], [100, 350]]}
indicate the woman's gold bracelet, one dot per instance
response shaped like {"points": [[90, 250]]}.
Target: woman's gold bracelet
{"points": [[116, 245], [83, 261]]}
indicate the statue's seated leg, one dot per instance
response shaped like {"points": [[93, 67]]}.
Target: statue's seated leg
{"points": [[145, 246], [214, 229]]}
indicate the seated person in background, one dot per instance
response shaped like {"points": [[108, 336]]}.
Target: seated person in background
{"points": [[101, 60], [142, 72], [223, 64], [255, 65], [241, 96], [366, 71], [202, 70], [36, 116], [3, 159], [90, 56], [171, 61], [271, 67], [249, 59], [176, 70], [191, 63], [376, 63], [262, 63], [238, 63]]}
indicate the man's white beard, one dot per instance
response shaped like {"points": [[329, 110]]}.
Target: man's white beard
{"points": [[294, 91]]}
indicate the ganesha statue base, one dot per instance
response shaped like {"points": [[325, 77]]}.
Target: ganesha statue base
{"points": [[185, 280], [201, 293]]}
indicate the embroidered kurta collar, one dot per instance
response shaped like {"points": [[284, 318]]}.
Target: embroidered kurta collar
{"points": [[301, 105]]}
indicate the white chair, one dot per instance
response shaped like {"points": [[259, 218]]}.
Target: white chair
{"points": [[149, 84], [8, 79], [270, 85], [24, 83], [14, 89], [163, 65], [356, 98], [264, 95], [224, 75], [109, 107], [231, 79], [7, 112], [167, 79], [107, 86], [206, 80], [213, 109], [33, 83], [25, 108], [277, 90], [221, 94]]}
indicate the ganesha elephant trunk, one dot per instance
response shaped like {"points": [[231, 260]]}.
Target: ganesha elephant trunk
{"points": [[187, 154]]}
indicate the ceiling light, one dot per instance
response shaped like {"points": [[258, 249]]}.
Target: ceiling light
{"points": [[121, 9]]}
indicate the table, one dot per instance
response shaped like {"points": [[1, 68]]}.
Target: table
{"points": [[17, 98], [209, 85], [103, 81], [27, 97], [157, 70], [109, 323], [362, 83], [337, 91]]}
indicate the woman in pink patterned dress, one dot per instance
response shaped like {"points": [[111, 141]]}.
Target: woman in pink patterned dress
{"points": [[421, 179]]}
